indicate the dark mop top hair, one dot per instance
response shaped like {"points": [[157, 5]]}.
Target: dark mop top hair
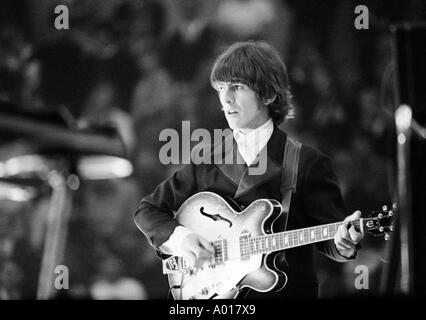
{"points": [[258, 65]]}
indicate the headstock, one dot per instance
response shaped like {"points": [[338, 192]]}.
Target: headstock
{"points": [[380, 222]]}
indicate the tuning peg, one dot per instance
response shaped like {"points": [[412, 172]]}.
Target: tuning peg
{"points": [[390, 213], [387, 236], [384, 208], [391, 228], [380, 215], [381, 229]]}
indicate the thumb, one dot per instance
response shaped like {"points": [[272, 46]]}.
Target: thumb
{"points": [[354, 216]]}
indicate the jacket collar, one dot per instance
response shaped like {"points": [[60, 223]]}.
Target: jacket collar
{"points": [[246, 178]]}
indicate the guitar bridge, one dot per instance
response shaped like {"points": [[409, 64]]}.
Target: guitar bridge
{"points": [[177, 265], [220, 252]]}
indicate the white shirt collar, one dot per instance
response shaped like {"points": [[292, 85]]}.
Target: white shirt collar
{"points": [[251, 142]]}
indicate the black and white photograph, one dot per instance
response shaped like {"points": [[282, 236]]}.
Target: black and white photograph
{"points": [[213, 157]]}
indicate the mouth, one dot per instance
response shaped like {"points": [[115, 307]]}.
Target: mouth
{"points": [[231, 112]]}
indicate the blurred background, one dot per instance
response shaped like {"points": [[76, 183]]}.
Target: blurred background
{"points": [[129, 69]]}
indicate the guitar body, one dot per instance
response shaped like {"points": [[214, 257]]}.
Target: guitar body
{"points": [[245, 247], [209, 215]]}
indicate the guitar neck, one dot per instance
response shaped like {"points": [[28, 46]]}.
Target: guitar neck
{"points": [[290, 239]]}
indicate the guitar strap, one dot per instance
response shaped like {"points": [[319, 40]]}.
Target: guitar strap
{"points": [[289, 175], [288, 184]]}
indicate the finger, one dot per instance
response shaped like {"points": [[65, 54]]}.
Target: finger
{"points": [[189, 257], [198, 248], [355, 235], [341, 248], [337, 237], [201, 260], [354, 216], [206, 245], [347, 244], [345, 238]]}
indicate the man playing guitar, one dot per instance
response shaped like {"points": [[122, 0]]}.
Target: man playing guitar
{"points": [[253, 89]]}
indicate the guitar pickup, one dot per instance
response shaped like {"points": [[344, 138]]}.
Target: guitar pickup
{"points": [[245, 249]]}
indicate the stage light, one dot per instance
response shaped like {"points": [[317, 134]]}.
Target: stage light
{"points": [[103, 167]]}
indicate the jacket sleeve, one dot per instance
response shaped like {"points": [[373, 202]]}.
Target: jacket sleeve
{"points": [[154, 217], [323, 201]]}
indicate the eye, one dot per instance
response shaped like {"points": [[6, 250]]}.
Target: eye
{"points": [[238, 86], [219, 87]]}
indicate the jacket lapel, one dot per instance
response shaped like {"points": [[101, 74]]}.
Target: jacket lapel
{"points": [[273, 153], [232, 165], [228, 160]]}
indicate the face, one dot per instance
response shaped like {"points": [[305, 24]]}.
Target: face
{"points": [[242, 108]]}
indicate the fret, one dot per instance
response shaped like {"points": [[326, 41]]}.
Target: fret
{"points": [[294, 238], [335, 226], [332, 230], [324, 232], [286, 241], [318, 234]]}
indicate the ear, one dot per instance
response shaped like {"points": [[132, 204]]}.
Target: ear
{"points": [[270, 100]]}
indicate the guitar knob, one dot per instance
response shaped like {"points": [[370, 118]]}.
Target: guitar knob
{"points": [[204, 291], [387, 237], [391, 228], [385, 208], [381, 229]]}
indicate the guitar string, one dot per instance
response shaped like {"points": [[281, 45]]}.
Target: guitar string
{"points": [[294, 236]]}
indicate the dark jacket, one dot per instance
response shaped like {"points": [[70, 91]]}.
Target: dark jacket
{"points": [[317, 201]]}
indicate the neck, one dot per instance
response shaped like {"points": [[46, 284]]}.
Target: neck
{"points": [[290, 239], [247, 130]]}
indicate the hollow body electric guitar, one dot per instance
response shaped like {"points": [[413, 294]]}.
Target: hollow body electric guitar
{"points": [[245, 247]]}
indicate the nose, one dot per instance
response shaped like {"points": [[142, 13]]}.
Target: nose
{"points": [[229, 96]]}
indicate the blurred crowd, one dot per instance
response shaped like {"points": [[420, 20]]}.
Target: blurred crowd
{"points": [[143, 65]]}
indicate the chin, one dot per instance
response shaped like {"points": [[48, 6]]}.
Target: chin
{"points": [[235, 125], [232, 125]]}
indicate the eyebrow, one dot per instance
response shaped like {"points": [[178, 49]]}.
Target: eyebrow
{"points": [[229, 82]]}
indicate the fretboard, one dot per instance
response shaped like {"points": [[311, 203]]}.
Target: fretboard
{"points": [[288, 239]]}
